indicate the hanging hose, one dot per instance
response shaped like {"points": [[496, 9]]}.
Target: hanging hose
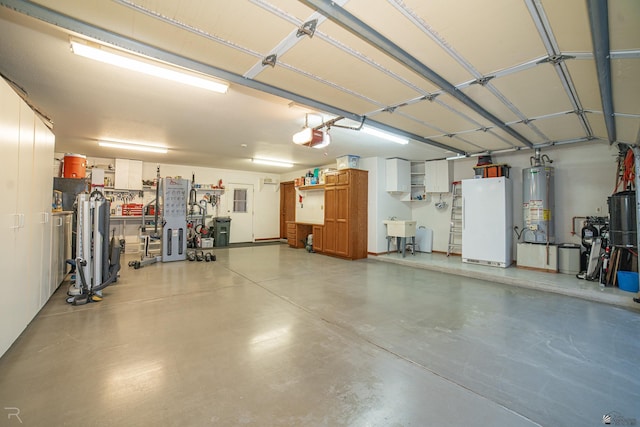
{"points": [[627, 165], [629, 174]]}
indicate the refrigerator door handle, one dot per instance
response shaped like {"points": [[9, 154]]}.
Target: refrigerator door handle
{"points": [[464, 209]]}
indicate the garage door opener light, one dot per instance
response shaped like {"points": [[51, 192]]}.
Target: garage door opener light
{"points": [[312, 137]]}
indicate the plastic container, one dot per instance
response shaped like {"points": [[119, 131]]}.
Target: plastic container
{"points": [[569, 259], [628, 281], [221, 231], [348, 162], [74, 166]]}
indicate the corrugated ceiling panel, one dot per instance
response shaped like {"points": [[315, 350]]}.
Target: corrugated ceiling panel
{"points": [[343, 36], [291, 7], [215, 54], [536, 91], [241, 23], [462, 108], [626, 85], [570, 24], [598, 126], [585, 80], [490, 102], [334, 65], [457, 143], [489, 140], [402, 122], [628, 129], [562, 127], [437, 115], [128, 22], [529, 133], [119, 19], [389, 22], [491, 36], [298, 83], [624, 16]]}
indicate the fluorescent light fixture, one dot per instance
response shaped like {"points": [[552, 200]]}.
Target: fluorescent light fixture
{"points": [[100, 53], [459, 156], [384, 135], [133, 146], [270, 162]]}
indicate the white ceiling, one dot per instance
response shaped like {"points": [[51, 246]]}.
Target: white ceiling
{"points": [[526, 101]]}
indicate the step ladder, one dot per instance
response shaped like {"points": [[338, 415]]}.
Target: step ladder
{"points": [[455, 226]]}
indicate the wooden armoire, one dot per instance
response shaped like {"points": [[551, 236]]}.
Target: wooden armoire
{"points": [[345, 214]]}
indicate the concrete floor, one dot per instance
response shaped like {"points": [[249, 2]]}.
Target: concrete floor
{"points": [[273, 336]]}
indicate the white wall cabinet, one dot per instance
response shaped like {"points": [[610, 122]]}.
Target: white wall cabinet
{"points": [[128, 174], [60, 248], [438, 176], [25, 218], [398, 176]]}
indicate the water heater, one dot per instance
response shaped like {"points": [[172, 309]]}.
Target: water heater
{"points": [[538, 201]]}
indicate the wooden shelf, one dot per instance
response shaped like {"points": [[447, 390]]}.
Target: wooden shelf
{"points": [[316, 187]]}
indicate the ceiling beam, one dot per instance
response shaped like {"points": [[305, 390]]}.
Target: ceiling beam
{"points": [[363, 31], [599, 23], [74, 25]]}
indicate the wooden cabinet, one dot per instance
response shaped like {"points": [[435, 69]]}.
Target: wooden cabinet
{"points": [[317, 238], [297, 233], [345, 214], [291, 233]]}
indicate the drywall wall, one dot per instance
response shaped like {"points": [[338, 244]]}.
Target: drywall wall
{"points": [[584, 178], [266, 198], [382, 205]]}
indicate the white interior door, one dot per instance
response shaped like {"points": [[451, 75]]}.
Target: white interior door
{"points": [[239, 206]]}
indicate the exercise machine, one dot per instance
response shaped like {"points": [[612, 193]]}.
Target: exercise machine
{"points": [[97, 257]]}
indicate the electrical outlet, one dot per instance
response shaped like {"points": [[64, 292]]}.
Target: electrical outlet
{"points": [[598, 209]]}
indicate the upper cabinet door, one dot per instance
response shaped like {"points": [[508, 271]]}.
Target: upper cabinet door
{"points": [[398, 176], [128, 174], [438, 176]]}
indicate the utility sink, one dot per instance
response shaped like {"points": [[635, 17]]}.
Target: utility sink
{"points": [[400, 228]]}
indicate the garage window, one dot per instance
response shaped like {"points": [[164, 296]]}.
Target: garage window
{"points": [[240, 200]]}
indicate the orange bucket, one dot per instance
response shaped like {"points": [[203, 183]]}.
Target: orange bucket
{"points": [[74, 166]]}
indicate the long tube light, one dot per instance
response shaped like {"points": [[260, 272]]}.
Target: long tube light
{"points": [[133, 147], [100, 53], [384, 135], [270, 162]]}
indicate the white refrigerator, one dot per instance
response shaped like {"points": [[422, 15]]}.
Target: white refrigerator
{"points": [[487, 221]]}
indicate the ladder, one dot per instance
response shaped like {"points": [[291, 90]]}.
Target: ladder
{"points": [[455, 226]]}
